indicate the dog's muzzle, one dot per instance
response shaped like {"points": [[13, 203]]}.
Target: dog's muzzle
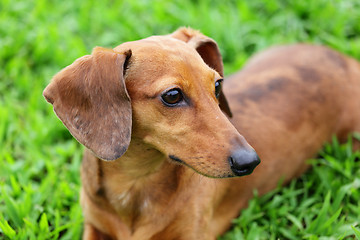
{"points": [[243, 162]]}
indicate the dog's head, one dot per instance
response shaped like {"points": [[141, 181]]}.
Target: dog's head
{"points": [[165, 90]]}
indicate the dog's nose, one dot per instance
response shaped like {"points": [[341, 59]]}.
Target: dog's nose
{"points": [[243, 161]]}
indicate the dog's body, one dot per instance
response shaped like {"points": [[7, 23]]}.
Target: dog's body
{"points": [[286, 102]]}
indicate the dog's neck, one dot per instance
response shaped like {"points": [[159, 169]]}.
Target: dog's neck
{"points": [[140, 180]]}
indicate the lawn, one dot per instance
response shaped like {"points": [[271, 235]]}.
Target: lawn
{"points": [[39, 160]]}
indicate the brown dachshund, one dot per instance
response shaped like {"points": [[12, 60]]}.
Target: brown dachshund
{"points": [[159, 133]]}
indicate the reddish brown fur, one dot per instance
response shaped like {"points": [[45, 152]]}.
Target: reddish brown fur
{"points": [[286, 102]]}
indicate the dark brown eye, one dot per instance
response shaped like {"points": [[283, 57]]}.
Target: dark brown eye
{"points": [[218, 85], [172, 97]]}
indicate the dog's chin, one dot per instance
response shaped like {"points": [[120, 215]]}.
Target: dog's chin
{"points": [[226, 174]]}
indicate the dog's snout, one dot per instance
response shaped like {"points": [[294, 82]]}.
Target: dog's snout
{"points": [[243, 162]]}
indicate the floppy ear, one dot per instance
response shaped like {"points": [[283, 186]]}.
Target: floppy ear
{"points": [[91, 99], [209, 52]]}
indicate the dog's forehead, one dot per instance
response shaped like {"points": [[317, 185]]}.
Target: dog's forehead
{"points": [[160, 56], [160, 51], [155, 44]]}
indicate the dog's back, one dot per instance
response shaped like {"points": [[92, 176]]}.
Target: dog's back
{"points": [[294, 88], [287, 102]]}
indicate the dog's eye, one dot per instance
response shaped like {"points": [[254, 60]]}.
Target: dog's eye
{"points": [[218, 85], [172, 97]]}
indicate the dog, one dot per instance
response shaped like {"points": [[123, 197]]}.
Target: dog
{"points": [[166, 155]]}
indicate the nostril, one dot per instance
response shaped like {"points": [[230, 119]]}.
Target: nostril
{"points": [[254, 162], [243, 162], [231, 161]]}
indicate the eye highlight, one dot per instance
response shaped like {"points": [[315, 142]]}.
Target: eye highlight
{"points": [[218, 86], [172, 97]]}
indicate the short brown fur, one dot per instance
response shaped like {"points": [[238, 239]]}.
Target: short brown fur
{"points": [[287, 102]]}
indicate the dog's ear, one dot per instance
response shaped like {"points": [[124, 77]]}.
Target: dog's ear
{"points": [[91, 99], [209, 52]]}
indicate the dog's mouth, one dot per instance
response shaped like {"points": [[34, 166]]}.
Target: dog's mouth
{"points": [[226, 174], [240, 163], [176, 159]]}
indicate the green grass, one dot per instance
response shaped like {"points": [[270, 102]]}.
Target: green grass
{"points": [[39, 160], [322, 204]]}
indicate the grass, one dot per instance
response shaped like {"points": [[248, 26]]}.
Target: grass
{"points": [[39, 160], [322, 204]]}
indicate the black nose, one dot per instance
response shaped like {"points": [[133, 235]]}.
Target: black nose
{"points": [[243, 162]]}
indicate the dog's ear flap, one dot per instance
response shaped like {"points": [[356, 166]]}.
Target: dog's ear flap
{"points": [[91, 99], [209, 52]]}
